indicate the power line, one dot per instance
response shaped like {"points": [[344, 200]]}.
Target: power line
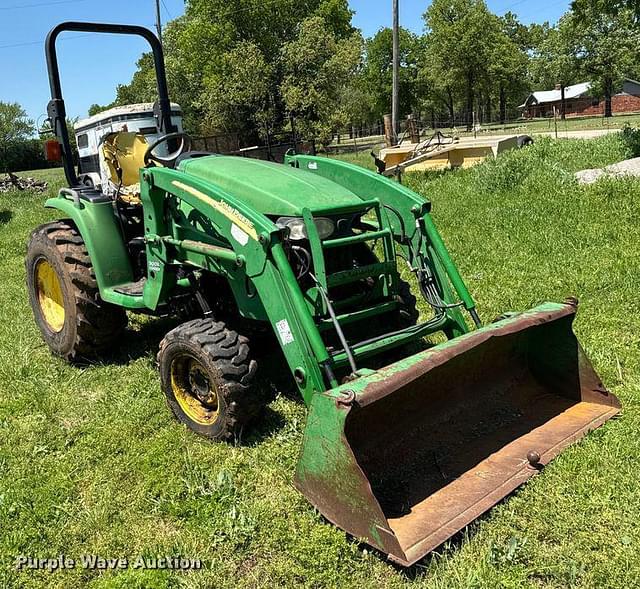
{"points": [[167, 10], [219, 15], [545, 9], [508, 8], [42, 42], [39, 4]]}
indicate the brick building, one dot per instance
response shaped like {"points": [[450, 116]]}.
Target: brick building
{"points": [[580, 102]]}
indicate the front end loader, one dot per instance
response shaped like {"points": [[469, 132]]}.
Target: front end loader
{"points": [[406, 442]]}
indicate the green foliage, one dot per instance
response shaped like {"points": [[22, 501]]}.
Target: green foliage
{"points": [[606, 46], [241, 91], [473, 55], [17, 150], [555, 60], [15, 128], [508, 61], [226, 65], [317, 67], [582, 8], [27, 154], [631, 139], [248, 68], [14, 123], [377, 74], [589, 44]]}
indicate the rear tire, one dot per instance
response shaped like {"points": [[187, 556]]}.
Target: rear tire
{"points": [[74, 321], [208, 378]]}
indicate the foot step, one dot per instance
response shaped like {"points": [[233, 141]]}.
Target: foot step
{"points": [[132, 288]]}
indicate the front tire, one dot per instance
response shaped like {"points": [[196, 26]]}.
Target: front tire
{"points": [[74, 321], [208, 378]]}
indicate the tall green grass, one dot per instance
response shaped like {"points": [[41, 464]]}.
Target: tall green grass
{"points": [[92, 462]]}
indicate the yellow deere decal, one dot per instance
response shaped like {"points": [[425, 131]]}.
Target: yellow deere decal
{"points": [[222, 207]]}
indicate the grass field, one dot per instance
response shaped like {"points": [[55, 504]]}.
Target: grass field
{"points": [[92, 462]]}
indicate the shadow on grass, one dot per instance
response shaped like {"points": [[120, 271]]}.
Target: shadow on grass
{"points": [[447, 549], [5, 217], [264, 426], [136, 344], [422, 568]]}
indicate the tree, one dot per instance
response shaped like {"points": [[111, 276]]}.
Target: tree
{"points": [[582, 8], [15, 125], [15, 128], [95, 109], [555, 61], [461, 34], [507, 67], [605, 45], [377, 75], [208, 47], [240, 91], [318, 66]]}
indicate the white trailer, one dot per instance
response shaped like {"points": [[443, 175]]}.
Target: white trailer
{"points": [[90, 133]]}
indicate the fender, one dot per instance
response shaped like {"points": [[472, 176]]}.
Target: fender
{"points": [[99, 230]]}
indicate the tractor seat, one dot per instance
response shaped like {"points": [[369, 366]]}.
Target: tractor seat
{"points": [[124, 156]]}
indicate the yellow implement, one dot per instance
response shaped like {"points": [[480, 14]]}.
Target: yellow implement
{"points": [[447, 153]]}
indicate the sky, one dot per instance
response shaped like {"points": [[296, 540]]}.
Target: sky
{"points": [[92, 66]]}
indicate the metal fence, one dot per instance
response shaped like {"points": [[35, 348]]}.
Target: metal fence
{"points": [[272, 148], [359, 137]]}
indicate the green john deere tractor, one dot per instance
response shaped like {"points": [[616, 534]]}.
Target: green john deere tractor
{"points": [[402, 447]]}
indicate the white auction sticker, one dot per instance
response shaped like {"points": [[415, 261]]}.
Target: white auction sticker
{"points": [[239, 235], [284, 331]]}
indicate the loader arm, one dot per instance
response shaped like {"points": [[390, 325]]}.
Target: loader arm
{"points": [[413, 227], [258, 257]]}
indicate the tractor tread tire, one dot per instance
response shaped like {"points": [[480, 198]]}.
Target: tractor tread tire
{"points": [[91, 325], [227, 356]]}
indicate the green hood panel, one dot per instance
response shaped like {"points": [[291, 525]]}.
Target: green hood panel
{"points": [[272, 189]]}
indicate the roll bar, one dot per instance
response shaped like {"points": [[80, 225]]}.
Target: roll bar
{"points": [[56, 109]]}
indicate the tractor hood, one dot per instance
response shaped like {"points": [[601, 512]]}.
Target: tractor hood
{"points": [[271, 189]]}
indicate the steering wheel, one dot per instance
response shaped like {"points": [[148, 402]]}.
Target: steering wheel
{"points": [[170, 160]]}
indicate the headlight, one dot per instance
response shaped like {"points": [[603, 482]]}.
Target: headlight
{"points": [[298, 230]]}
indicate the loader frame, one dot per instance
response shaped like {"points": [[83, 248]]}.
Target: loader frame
{"points": [[261, 260], [256, 263]]}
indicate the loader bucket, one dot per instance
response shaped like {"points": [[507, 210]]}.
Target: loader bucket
{"points": [[406, 457]]}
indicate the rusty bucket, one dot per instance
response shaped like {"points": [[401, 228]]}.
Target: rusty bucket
{"points": [[406, 457]]}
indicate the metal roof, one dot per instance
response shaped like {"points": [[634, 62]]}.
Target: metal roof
{"points": [[550, 96]]}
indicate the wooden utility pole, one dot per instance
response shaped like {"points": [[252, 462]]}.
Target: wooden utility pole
{"points": [[159, 21], [395, 108]]}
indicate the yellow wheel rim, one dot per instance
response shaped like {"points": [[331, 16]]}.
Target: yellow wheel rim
{"points": [[50, 296], [194, 391]]}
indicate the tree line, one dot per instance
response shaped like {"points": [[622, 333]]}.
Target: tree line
{"points": [[252, 67], [249, 67]]}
